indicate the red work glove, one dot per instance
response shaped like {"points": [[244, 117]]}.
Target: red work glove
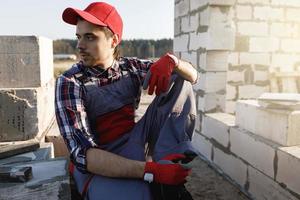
{"points": [[160, 73], [168, 172]]}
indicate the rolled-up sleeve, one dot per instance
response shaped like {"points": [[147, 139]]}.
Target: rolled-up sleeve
{"points": [[72, 120]]}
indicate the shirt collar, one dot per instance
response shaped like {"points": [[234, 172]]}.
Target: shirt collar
{"points": [[97, 71]]}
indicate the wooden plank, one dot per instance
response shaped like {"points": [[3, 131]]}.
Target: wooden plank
{"points": [[8, 149]]}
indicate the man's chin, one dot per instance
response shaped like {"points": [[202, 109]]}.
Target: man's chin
{"points": [[86, 63]]}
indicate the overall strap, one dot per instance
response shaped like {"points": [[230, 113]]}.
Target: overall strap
{"points": [[134, 74]]}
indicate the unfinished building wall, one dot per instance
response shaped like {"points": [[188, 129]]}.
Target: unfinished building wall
{"points": [[237, 45], [267, 39], [204, 35]]}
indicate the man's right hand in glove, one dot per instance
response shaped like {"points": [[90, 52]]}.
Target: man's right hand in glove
{"points": [[169, 173]]}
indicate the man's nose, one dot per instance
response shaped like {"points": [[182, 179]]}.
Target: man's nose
{"points": [[80, 44]]}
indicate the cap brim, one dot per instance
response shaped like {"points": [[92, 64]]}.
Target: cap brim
{"points": [[70, 16]]}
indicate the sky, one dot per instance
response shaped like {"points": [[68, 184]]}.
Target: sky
{"points": [[142, 19]]}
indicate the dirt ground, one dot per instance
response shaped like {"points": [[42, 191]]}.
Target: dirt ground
{"points": [[205, 183]]}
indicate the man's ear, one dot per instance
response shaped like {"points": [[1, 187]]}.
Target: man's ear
{"points": [[115, 40]]}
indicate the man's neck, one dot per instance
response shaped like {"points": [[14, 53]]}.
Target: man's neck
{"points": [[107, 64]]}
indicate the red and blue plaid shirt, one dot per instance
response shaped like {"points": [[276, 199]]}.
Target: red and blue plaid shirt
{"points": [[70, 111]]}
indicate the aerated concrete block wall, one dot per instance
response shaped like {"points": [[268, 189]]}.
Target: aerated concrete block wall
{"points": [[26, 87], [234, 44], [267, 36], [204, 36]]}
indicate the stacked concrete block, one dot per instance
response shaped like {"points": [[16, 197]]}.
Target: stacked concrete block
{"points": [[25, 61], [27, 87], [289, 167], [278, 125], [267, 34], [261, 168], [204, 35]]}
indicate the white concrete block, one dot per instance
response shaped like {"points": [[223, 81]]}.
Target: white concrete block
{"points": [[233, 58], [293, 3], [214, 61], [252, 28], [205, 16], [243, 12], [235, 76], [190, 57], [182, 8], [261, 44], [232, 166], [211, 101], [255, 150], [221, 29], [198, 123], [230, 107], [177, 26], [252, 91], [289, 167], [260, 121], [27, 112], [190, 23], [261, 12], [285, 62], [181, 43], [217, 125], [284, 30], [202, 145], [222, 2], [292, 14], [276, 14], [255, 58], [290, 45], [195, 4], [254, 2], [263, 187], [261, 75], [198, 40], [25, 61], [212, 81], [231, 92]]}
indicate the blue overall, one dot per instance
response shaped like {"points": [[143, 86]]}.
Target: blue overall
{"points": [[167, 127]]}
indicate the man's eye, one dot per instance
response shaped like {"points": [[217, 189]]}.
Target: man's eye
{"points": [[90, 38]]}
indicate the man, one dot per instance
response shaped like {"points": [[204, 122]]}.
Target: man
{"points": [[95, 102]]}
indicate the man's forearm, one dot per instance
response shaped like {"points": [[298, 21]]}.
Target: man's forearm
{"points": [[187, 71], [111, 165]]}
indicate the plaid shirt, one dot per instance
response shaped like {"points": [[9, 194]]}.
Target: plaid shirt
{"points": [[70, 112]]}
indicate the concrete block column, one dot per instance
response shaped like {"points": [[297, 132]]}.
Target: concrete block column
{"points": [[26, 87]]}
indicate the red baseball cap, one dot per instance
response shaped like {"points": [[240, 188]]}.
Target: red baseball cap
{"points": [[99, 13]]}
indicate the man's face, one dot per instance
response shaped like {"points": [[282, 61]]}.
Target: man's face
{"points": [[94, 47]]}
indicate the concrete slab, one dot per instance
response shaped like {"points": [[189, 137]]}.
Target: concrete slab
{"points": [[43, 185], [45, 152], [290, 101], [8, 149]]}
